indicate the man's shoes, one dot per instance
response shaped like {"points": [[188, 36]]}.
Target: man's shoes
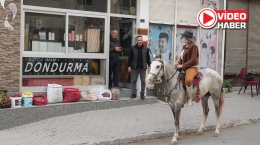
{"points": [[133, 96], [142, 96]]}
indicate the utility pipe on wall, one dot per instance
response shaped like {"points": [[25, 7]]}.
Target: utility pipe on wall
{"points": [[175, 32], [223, 45]]}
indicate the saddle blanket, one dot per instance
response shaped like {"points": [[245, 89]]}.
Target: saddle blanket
{"points": [[198, 77]]}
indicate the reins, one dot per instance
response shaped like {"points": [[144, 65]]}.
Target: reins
{"points": [[165, 82], [175, 86]]}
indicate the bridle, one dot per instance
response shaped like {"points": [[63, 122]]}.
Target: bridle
{"points": [[165, 82], [156, 75]]}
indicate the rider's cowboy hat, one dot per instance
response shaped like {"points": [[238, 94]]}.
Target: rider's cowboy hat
{"points": [[189, 35]]}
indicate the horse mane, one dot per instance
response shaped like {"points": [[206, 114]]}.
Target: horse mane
{"points": [[170, 70]]}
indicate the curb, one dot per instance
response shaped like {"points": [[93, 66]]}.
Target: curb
{"points": [[26, 115], [158, 135]]}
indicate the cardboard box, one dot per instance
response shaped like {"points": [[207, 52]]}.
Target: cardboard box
{"points": [[51, 46], [43, 46], [58, 47], [85, 80], [77, 80], [97, 80], [35, 46]]}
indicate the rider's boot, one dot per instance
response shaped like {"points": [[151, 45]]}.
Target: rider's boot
{"points": [[189, 91]]}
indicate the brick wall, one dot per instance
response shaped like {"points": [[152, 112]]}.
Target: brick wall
{"points": [[10, 46]]}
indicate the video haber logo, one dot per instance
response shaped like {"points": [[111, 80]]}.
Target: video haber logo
{"points": [[231, 19]]}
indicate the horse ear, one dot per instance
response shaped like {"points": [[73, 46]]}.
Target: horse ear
{"points": [[157, 54], [160, 56], [154, 56]]}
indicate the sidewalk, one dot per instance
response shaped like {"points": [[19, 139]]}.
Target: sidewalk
{"points": [[130, 124]]}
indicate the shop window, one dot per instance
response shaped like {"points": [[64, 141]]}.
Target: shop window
{"points": [[86, 5], [85, 2], [127, 7], [86, 35], [44, 32]]}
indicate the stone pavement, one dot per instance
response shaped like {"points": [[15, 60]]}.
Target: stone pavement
{"points": [[130, 124]]}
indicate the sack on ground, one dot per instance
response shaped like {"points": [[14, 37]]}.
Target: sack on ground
{"points": [[39, 99], [115, 94], [88, 95], [104, 95], [249, 77], [71, 95], [54, 93]]}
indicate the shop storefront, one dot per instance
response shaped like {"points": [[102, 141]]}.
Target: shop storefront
{"points": [[67, 41], [64, 42]]}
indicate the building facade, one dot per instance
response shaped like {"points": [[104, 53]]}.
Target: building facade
{"points": [[67, 41]]}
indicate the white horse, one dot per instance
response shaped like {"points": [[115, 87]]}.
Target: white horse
{"points": [[211, 85]]}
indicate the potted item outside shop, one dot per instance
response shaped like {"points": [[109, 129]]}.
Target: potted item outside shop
{"points": [[227, 86], [27, 98], [5, 101], [16, 100]]}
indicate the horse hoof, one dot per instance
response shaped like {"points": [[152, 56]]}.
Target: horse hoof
{"points": [[174, 141], [199, 133], [216, 134]]}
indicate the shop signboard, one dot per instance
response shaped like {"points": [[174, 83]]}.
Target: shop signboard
{"points": [[60, 66]]}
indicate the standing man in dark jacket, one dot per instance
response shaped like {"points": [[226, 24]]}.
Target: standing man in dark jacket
{"points": [[115, 50], [138, 60]]}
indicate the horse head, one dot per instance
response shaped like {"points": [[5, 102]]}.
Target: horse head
{"points": [[157, 66]]}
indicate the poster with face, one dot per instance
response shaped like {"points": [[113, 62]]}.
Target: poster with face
{"points": [[160, 39], [179, 43], [208, 48], [213, 4]]}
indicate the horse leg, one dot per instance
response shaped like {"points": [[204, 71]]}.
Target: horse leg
{"points": [[176, 113], [216, 101], [205, 106]]}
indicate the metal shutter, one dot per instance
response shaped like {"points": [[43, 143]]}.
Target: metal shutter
{"points": [[254, 37], [162, 11], [235, 57], [188, 11]]}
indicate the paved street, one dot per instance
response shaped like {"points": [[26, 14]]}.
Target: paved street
{"points": [[129, 124], [239, 135]]}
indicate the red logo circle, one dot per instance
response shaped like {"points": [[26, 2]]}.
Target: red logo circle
{"points": [[207, 18]]}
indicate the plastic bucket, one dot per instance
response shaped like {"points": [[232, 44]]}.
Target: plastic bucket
{"points": [[16, 102], [27, 101]]}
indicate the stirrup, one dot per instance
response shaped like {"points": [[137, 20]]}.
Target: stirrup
{"points": [[189, 102]]}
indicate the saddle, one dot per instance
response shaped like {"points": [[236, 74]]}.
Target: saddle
{"points": [[198, 77]]}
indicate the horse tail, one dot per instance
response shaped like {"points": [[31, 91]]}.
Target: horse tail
{"points": [[221, 102]]}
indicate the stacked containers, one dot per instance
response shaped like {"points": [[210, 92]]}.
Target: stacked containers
{"points": [[27, 98]]}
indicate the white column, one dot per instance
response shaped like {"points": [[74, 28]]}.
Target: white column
{"points": [[143, 14], [142, 22]]}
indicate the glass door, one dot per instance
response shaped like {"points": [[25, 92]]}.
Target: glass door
{"points": [[126, 37]]}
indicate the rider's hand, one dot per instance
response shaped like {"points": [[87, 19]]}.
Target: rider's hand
{"points": [[179, 66]]}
